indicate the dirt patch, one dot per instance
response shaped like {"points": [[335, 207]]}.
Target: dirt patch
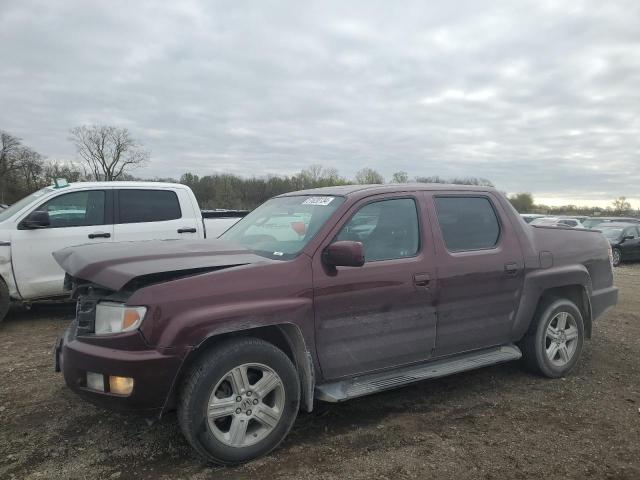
{"points": [[494, 423]]}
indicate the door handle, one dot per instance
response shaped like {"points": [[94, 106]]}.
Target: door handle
{"points": [[187, 230], [421, 280], [511, 269], [99, 235]]}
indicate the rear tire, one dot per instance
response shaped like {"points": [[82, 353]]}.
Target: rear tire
{"points": [[554, 343], [239, 401], [5, 300]]}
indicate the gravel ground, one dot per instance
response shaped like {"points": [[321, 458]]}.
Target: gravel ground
{"points": [[494, 423]]}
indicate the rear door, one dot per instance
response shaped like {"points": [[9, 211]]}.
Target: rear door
{"points": [[154, 214], [480, 271], [76, 218], [380, 315]]}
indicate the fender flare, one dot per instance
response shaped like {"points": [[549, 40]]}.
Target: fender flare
{"points": [[292, 334], [539, 281]]}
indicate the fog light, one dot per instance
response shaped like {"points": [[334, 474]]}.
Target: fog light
{"points": [[95, 381], [120, 385]]}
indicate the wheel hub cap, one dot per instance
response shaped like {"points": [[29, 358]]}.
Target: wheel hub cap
{"points": [[561, 339], [246, 405]]}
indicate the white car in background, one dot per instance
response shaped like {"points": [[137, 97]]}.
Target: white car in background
{"points": [[558, 222], [65, 215]]}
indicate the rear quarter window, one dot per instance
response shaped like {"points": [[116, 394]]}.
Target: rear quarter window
{"points": [[142, 206], [467, 223]]}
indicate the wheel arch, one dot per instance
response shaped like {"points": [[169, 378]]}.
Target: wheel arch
{"points": [[578, 295], [571, 282], [286, 336]]}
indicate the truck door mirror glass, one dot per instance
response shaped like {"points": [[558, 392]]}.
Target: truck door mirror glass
{"points": [[344, 254], [37, 219]]}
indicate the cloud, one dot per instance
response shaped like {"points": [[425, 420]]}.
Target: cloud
{"points": [[537, 96]]}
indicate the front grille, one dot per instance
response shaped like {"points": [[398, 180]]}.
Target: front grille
{"points": [[86, 315]]}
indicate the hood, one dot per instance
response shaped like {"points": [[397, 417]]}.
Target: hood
{"points": [[113, 265]]}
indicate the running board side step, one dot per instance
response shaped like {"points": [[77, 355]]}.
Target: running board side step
{"points": [[377, 382]]}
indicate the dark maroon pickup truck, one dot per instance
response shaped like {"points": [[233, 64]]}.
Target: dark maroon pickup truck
{"points": [[326, 294]]}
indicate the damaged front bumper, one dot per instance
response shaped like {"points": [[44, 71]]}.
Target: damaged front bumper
{"points": [[124, 355]]}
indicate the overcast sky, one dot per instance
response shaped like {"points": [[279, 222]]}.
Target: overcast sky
{"points": [[540, 96]]}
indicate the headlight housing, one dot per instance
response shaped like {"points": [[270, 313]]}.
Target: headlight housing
{"points": [[113, 317]]}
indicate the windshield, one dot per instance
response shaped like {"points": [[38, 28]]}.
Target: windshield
{"points": [[612, 233], [592, 222], [20, 204], [281, 227]]}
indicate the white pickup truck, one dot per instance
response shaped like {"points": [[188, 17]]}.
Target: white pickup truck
{"points": [[65, 215]]}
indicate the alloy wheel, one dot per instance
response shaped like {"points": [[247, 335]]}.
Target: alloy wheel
{"points": [[561, 339], [246, 405]]}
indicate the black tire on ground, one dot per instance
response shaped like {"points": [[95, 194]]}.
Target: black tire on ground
{"points": [[208, 372], [4, 300], [617, 257], [537, 343]]}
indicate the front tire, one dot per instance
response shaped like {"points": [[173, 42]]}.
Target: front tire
{"points": [[5, 300], [616, 257], [553, 346], [239, 401]]}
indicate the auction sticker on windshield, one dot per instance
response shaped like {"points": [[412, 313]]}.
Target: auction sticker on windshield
{"points": [[318, 201]]}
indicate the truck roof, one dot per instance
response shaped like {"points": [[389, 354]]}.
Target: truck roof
{"points": [[122, 184], [345, 190]]}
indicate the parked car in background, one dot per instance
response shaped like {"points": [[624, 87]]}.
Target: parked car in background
{"points": [[558, 222], [593, 222], [102, 212], [529, 217], [326, 294], [625, 240]]}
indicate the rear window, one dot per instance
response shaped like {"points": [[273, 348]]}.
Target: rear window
{"points": [[142, 206], [467, 223]]}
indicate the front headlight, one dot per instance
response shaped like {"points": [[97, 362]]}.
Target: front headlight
{"points": [[112, 317]]}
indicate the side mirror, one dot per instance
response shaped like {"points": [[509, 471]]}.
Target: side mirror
{"points": [[37, 219], [628, 237], [344, 254]]}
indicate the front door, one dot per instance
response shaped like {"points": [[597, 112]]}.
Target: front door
{"points": [[75, 218], [480, 271], [380, 315], [631, 246]]}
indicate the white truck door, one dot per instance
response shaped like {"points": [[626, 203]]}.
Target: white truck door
{"points": [[155, 214], [75, 218]]}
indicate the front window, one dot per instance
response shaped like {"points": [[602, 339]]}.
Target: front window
{"points": [[76, 209], [20, 204], [388, 229], [281, 227], [612, 233]]}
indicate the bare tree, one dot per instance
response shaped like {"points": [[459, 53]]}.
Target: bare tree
{"points": [[522, 202], [313, 173], [368, 176], [621, 205], [400, 177], [109, 152], [10, 147], [56, 169], [432, 179], [31, 166]]}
